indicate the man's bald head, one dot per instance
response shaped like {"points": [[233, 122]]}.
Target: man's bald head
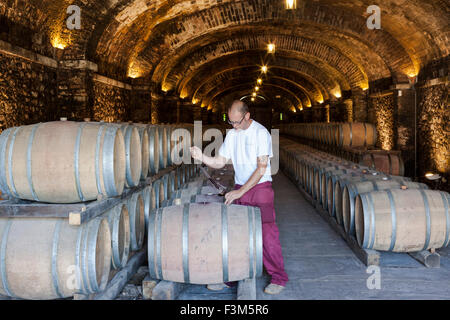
{"points": [[239, 106]]}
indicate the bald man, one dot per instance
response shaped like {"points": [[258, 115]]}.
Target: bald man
{"points": [[249, 146]]}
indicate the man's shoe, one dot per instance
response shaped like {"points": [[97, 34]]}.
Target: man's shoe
{"points": [[273, 289], [217, 287]]}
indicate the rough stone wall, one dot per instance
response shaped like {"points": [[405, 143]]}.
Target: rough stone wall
{"points": [[383, 113], [434, 130], [111, 103], [27, 92]]}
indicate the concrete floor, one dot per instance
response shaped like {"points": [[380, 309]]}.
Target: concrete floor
{"points": [[320, 264]]}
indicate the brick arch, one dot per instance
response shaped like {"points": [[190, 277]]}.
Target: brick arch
{"points": [[323, 76], [305, 49], [354, 54], [296, 101], [187, 28], [249, 75], [236, 92]]}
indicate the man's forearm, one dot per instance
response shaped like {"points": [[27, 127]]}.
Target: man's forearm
{"points": [[253, 180], [215, 163]]}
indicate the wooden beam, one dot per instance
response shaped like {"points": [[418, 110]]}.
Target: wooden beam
{"points": [[167, 290]]}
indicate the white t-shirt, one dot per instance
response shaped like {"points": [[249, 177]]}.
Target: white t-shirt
{"points": [[243, 147]]}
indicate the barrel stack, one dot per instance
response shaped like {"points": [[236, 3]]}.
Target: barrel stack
{"points": [[64, 163], [352, 141], [379, 210]]}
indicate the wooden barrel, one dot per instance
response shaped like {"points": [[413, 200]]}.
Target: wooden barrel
{"points": [[62, 161], [343, 180], [154, 149], [136, 211], [119, 226], [45, 259], [133, 154], [145, 148], [356, 134], [205, 243], [351, 190], [402, 220], [388, 163], [162, 147]]}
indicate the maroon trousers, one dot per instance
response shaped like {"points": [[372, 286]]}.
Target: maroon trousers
{"points": [[262, 196]]}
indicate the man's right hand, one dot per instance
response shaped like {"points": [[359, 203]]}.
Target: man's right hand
{"points": [[196, 153]]}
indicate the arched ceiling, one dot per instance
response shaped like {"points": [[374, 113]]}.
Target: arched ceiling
{"points": [[322, 48]]}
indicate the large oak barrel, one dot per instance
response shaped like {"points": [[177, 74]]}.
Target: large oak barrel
{"points": [[136, 211], [49, 259], [119, 225], [62, 161], [351, 190], [388, 163], [402, 220], [355, 134], [205, 243]]}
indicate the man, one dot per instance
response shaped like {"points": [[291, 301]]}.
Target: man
{"points": [[249, 146]]}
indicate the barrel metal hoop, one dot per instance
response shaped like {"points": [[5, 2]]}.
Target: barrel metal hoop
{"points": [[10, 155], [97, 158], [128, 133], [3, 180], [185, 237], [372, 220], [156, 186], [78, 262], [158, 245], [3, 259], [84, 268], [29, 167], [251, 239], [394, 220], [151, 244], [258, 242], [92, 243], [54, 257], [114, 217], [76, 162], [428, 218], [225, 243], [108, 161], [447, 217]]}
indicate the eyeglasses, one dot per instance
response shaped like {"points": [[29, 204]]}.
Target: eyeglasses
{"points": [[237, 122]]}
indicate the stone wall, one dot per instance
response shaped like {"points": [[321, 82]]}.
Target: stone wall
{"points": [[382, 116], [434, 130], [111, 103], [27, 92]]}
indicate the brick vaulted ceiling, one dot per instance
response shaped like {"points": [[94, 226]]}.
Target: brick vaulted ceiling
{"points": [[199, 49]]}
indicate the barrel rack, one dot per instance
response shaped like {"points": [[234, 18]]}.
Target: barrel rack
{"points": [[80, 213], [368, 257]]}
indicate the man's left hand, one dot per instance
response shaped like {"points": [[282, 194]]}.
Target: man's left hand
{"points": [[232, 195]]}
